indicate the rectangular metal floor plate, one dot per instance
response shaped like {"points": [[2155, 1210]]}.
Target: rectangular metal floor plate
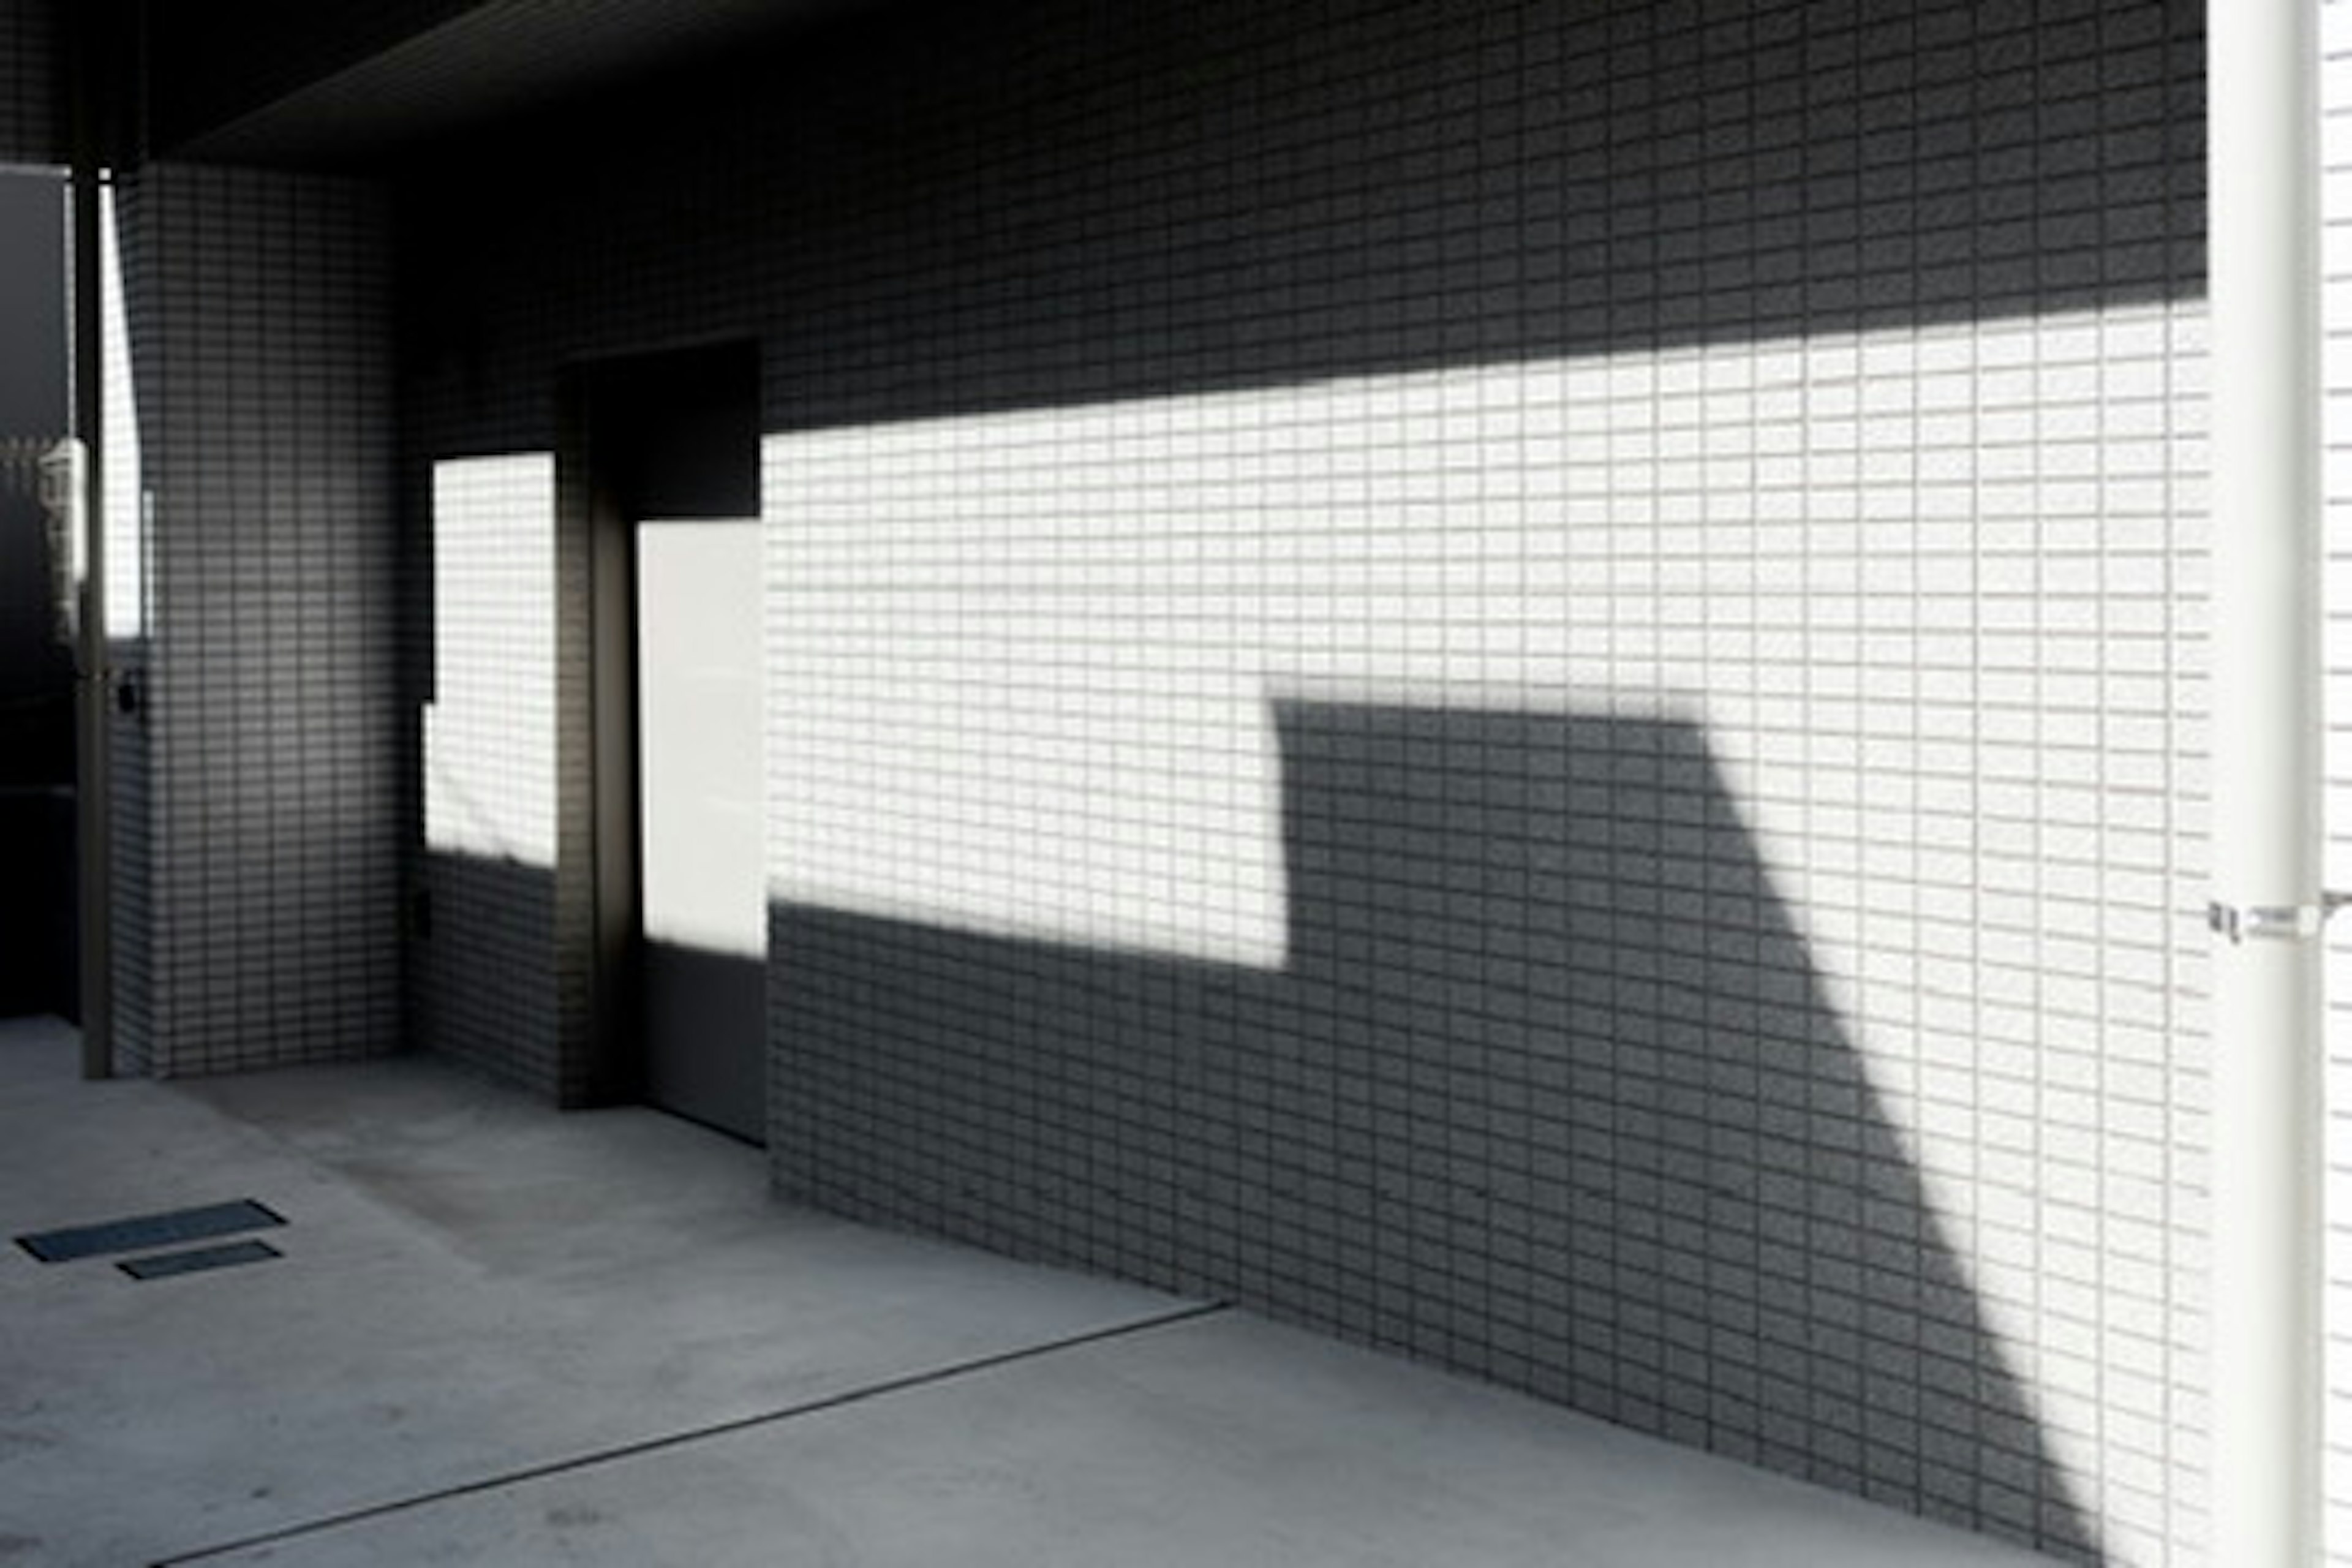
{"points": [[144, 1233], [195, 1261]]}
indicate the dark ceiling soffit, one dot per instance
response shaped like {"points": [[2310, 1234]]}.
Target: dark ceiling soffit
{"points": [[483, 64], [219, 62]]}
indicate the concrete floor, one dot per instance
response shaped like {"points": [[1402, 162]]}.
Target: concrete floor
{"points": [[502, 1335]]}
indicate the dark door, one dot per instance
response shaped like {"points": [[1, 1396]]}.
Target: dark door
{"points": [[671, 442]]}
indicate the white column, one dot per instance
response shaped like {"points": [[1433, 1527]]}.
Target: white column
{"points": [[2266, 1239]]}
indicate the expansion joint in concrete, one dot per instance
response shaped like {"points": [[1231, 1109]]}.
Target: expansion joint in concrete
{"points": [[859, 1396]]}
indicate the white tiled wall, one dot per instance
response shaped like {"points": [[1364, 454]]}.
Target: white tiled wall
{"points": [[493, 662], [2336, 144]]}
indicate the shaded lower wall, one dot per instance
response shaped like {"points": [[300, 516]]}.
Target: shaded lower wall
{"points": [[1547, 1090], [130, 911]]}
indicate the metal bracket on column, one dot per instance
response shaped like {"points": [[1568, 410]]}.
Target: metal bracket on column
{"points": [[2273, 922]]}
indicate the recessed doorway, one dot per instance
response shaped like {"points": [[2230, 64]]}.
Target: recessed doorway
{"points": [[671, 444]]}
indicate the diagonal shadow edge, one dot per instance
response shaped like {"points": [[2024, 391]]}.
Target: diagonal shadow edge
{"points": [[1549, 1093]]}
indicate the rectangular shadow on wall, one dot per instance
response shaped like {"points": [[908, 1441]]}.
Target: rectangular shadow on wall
{"points": [[1547, 1090]]}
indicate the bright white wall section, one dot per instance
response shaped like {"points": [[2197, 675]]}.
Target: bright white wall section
{"points": [[1024, 709], [2335, 208], [1927, 592], [125, 494], [698, 722], [489, 755]]}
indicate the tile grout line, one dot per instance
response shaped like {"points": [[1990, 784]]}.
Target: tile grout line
{"points": [[856, 1395]]}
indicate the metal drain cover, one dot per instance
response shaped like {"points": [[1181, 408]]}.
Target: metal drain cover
{"points": [[166, 1265], [144, 1233]]}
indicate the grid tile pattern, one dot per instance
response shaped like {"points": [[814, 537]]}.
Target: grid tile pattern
{"points": [[127, 305], [262, 349], [493, 666], [32, 118], [1522, 680], [489, 765], [131, 913], [499, 973], [2336, 211], [1725, 982]]}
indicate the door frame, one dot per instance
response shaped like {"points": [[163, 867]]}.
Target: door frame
{"points": [[94, 41], [631, 435]]}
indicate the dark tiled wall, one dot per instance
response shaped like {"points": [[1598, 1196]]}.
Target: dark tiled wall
{"points": [[273, 760], [130, 313], [1519, 680], [131, 913], [31, 117]]}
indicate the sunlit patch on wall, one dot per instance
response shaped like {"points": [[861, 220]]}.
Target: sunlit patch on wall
{"points": [[126, 499], [489, 730], [985, 713], [698, 724]]}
